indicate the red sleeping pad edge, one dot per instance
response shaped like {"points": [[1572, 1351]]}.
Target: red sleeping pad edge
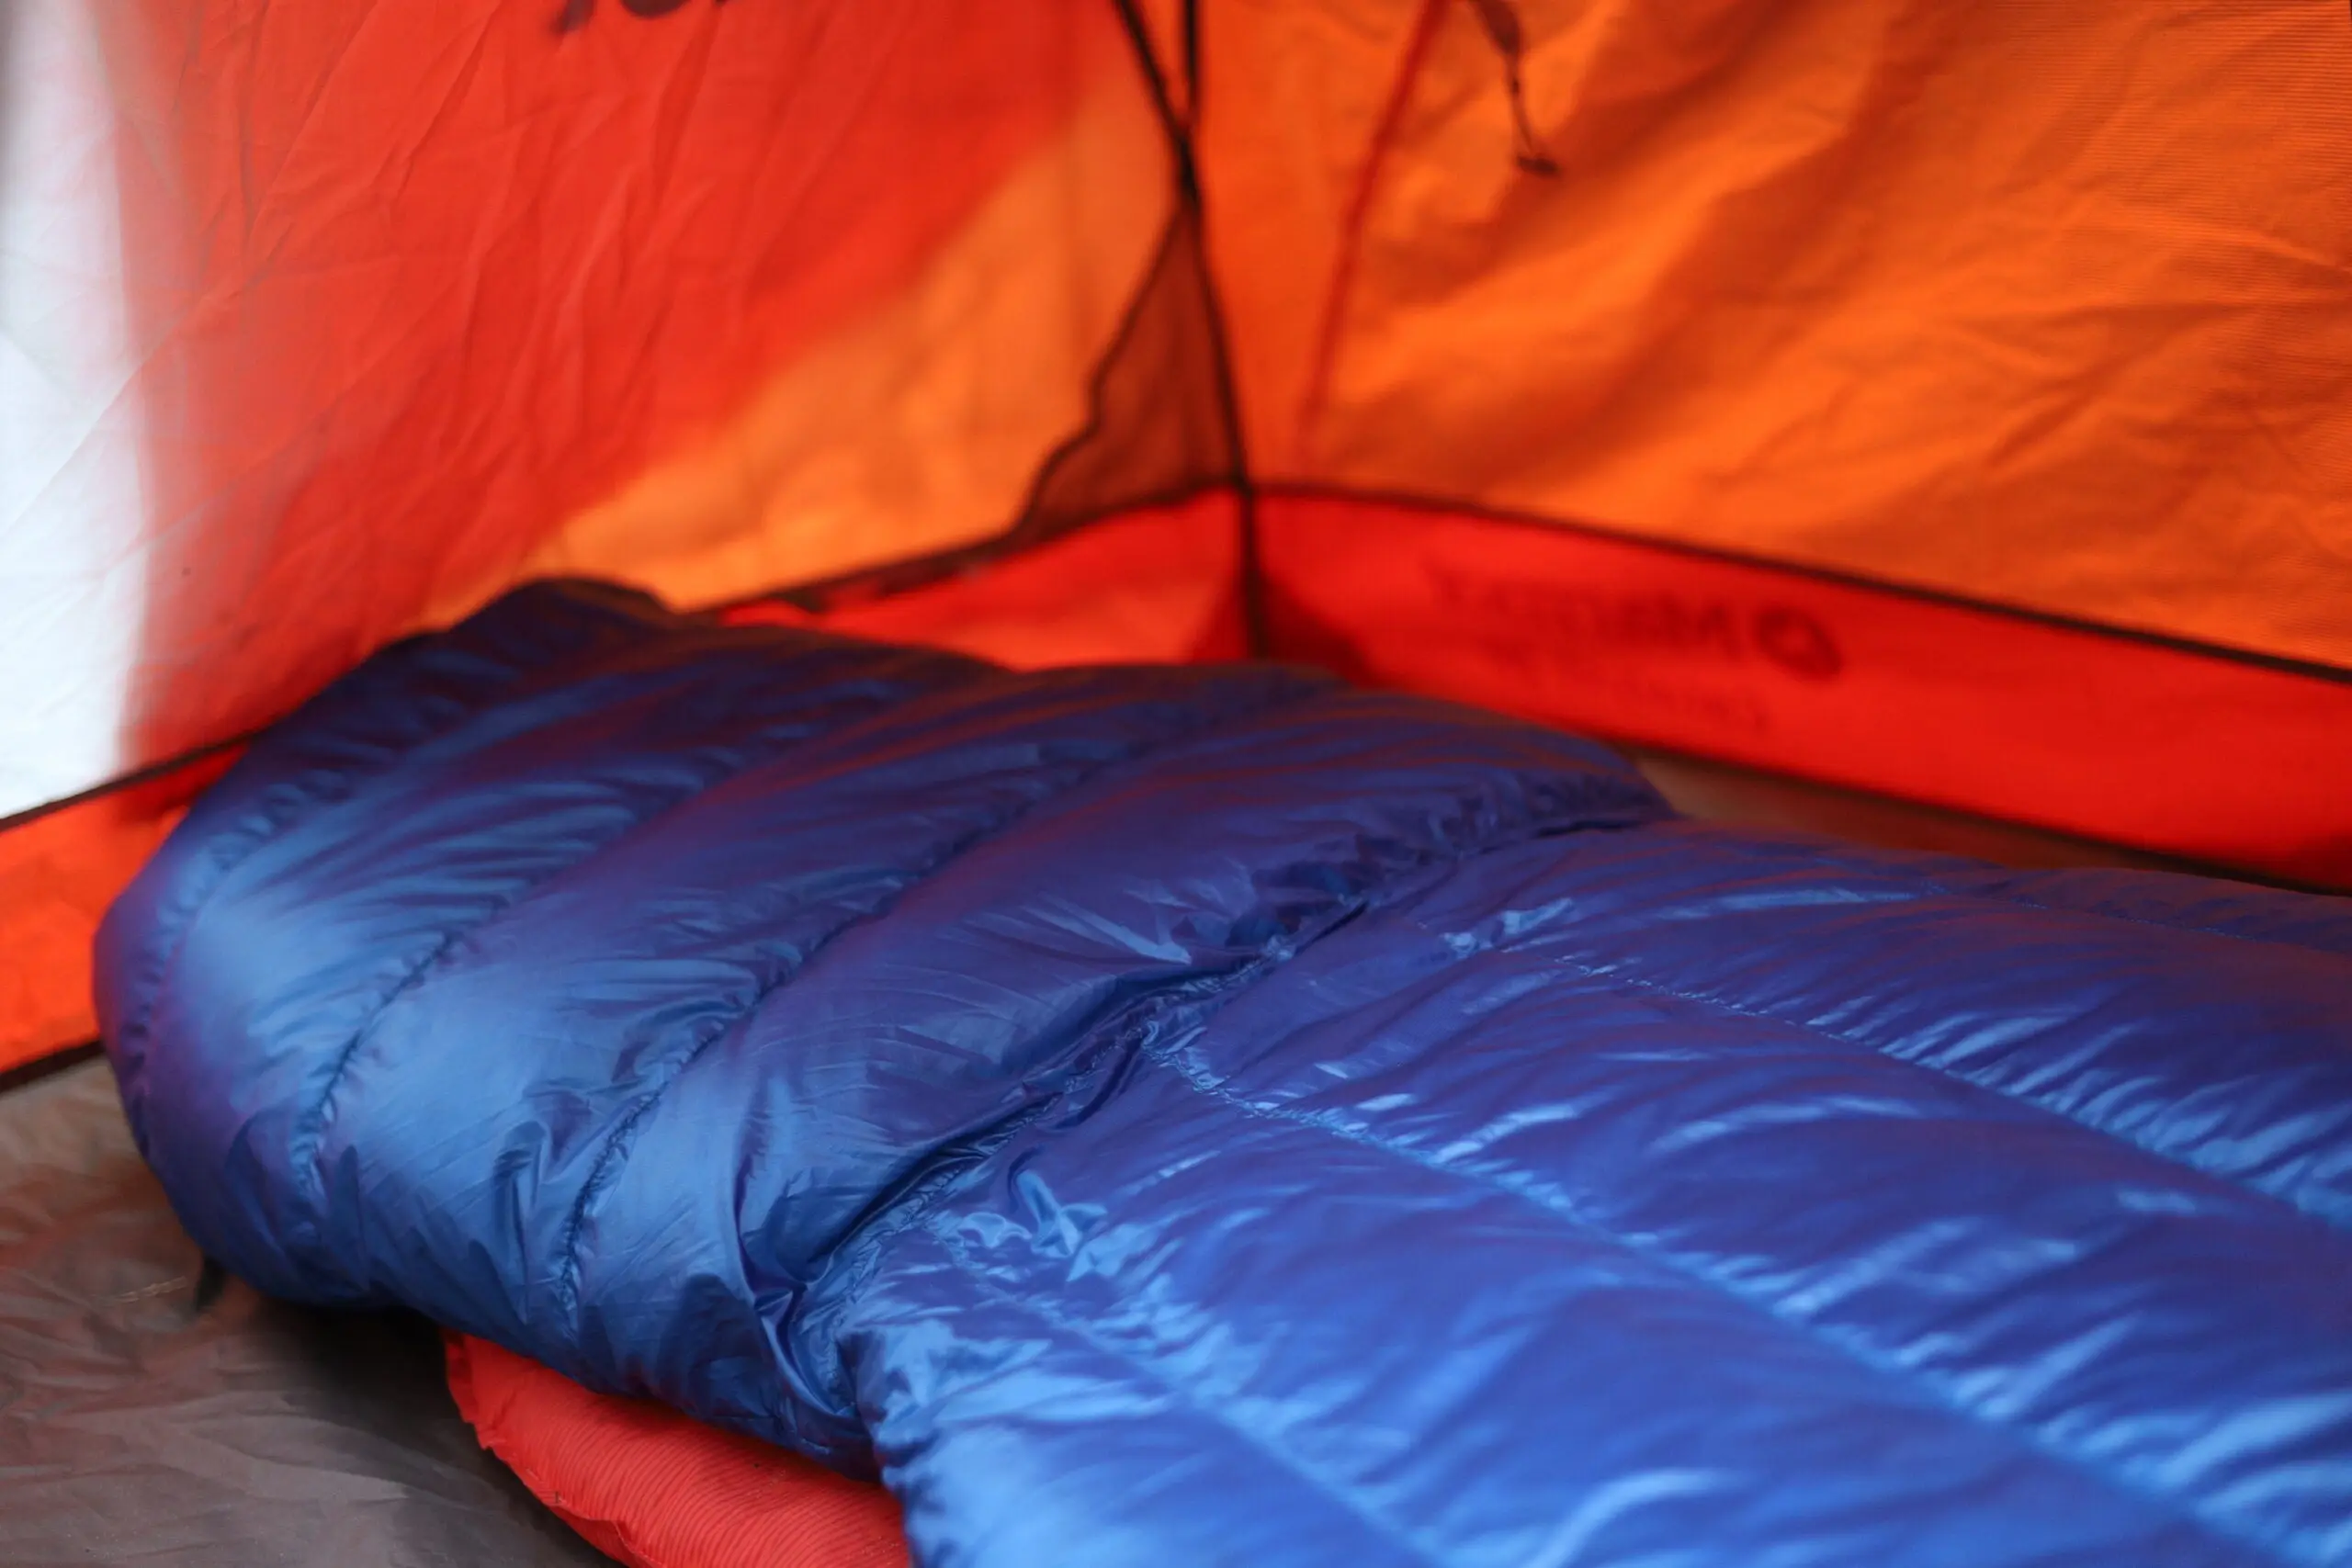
{"points": [[655, 1489]]}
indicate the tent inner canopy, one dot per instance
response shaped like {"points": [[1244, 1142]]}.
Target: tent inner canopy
{"points": [[1950, 402]]}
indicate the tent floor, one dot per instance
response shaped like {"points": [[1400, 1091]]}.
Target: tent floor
{"points": [[152, 1412], [1725, 792]]}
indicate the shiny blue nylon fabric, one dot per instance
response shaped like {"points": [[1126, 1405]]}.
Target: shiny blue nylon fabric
{"points": [[1204, 1116]]}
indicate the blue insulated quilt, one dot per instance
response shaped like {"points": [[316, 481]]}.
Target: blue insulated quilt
{"points": [[1156, 1117]]}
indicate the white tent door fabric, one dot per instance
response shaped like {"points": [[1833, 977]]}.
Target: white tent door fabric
{"points": [[73, 572]]}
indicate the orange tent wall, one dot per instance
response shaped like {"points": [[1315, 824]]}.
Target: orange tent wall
{"points": [[58, 873], [2002, 355], [2226, 762], [423, 300], [2216, 758], [2047, 307], [435, 297]]}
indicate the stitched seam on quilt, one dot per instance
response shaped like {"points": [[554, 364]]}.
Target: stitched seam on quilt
{"points": [[303, 804], [2236, 1183], [308, 1132], [921, 1192], [1917, 887], [612, 1156], [1255, 1444], [1497, 942], [1868, 1361], [2183, 928]]}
